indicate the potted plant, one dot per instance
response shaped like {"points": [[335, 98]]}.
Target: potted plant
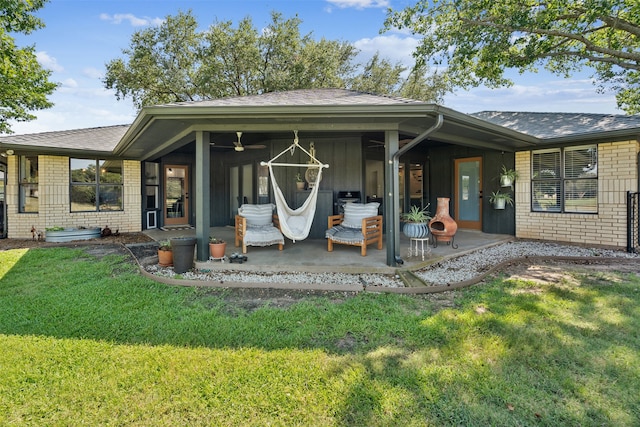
{"points": [[183, 252], [217, 247], [165, 254], [500, 200], [507, 177], [299, 181], [416, 222]]}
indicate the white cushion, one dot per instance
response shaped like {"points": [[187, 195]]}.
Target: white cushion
{"points": [[257, 214], [354, 213]]}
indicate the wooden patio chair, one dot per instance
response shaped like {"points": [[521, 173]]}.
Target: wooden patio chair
{"points": [[358, 226], [257, 225]]}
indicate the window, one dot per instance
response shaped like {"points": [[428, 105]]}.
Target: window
{"points": [[565, 180], [96, 185], [152, 182], [28, 184]]}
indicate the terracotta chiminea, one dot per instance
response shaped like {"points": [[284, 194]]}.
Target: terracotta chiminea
{"points": [[442, 226]]}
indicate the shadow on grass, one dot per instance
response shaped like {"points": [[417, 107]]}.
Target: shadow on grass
{"points": [[508, 353]]}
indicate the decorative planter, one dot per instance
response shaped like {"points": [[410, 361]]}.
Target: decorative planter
{"points": [[300, 185], [499, 204], [71, 234], [416, 230], [217, 250], [506, 181], [183, 251], [165, 258]]}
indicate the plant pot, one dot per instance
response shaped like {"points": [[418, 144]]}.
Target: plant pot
{"points": [[506, 181], [165, 258], [416, 230], [499, 204], [183, 251], [300, 185], [217, 250]]}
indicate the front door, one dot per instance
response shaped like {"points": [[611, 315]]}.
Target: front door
{"points": [[176, 195], [468, 193]]}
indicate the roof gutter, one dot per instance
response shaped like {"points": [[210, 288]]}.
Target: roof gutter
{"points": [[418, 139], [393, 237]]}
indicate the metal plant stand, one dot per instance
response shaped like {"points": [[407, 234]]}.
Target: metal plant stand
{"points": [[413, 247]]}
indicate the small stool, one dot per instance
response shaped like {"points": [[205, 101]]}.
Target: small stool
{"points": [[422, 250]]}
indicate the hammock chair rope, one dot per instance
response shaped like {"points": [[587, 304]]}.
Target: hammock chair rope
{"points": [[296, 223]]}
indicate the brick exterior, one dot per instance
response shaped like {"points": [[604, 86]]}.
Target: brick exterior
{"points": [[617, 174], [53, 197]]}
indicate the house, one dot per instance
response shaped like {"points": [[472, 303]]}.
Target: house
{"points": [[197, 162]]}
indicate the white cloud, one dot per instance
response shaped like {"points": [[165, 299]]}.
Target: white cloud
{"points": [[359, 4], [48, 62], [92, 73], [71, 83], [133, 20], [394, 48]]}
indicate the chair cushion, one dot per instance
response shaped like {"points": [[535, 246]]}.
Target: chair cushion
{"points": [[257, 215], [346, 235], [354, 213], [263, 235]]}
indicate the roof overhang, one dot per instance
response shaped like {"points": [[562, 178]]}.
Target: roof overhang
{"points": [[161, 129]]}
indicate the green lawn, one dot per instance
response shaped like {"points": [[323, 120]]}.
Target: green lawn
{"points": [[85, 341]]}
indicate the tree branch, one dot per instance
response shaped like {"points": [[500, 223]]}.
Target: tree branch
{"points": [[632, 57]]}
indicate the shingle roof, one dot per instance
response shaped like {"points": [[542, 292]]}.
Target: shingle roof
{"points": [[556, 125], [302, 97], [90, 139]]}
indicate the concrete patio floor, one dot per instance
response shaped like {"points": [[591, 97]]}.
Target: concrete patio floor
{"points": [[311, 255]]}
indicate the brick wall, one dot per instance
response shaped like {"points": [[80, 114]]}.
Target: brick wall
{"points": [[617, 174], [53, 197]]}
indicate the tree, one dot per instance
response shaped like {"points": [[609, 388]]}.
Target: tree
{"points": [[24, 84], [174, 62], [478, 40], [378, 76], [161, 67]]}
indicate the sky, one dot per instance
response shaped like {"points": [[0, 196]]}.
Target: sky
{"points": [[81, 36]]}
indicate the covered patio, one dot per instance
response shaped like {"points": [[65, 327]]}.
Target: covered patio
{"points": [[348, 129]]}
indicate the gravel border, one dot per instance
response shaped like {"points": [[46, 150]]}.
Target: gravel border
{"points": [[455, 272]]}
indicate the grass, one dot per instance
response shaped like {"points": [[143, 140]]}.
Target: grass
{"points": [[88, 341]]}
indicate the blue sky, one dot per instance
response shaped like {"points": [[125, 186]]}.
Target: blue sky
{"points": [[81, 36]]}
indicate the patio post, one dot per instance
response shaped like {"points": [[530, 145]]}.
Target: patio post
{"points": [[203, 195], [391, 190]]}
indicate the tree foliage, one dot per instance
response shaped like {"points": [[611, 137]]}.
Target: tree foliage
{"points": [[24, 84], [175, 62], [479, 39]]}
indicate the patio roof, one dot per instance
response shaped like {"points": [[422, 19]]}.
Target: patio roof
{"points": [[160, 129]]}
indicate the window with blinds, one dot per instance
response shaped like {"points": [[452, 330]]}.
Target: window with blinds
{"points": [[565, 180]]}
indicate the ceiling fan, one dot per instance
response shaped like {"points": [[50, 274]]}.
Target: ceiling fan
{"points": [[237, 145]]}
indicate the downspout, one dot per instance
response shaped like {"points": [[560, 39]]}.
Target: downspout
{"points": [[393, 237]]}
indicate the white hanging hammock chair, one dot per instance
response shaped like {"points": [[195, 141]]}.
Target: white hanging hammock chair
{"points": [[296, 223]]}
